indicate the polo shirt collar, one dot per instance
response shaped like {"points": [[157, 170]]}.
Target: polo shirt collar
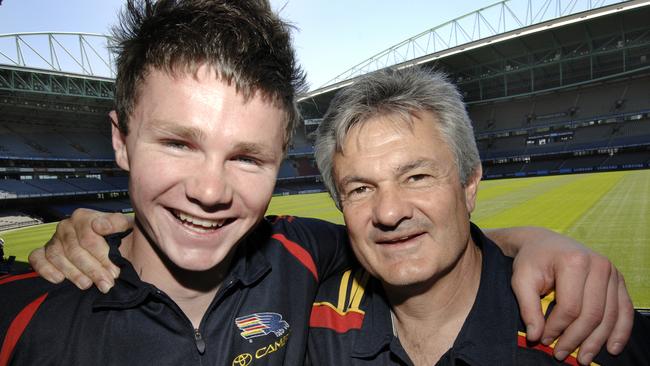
{"points": [[250, 264], [488, 336], [376, 333], [248, 267]]}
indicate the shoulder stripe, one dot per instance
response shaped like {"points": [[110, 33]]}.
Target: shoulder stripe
{"points": [[358, 289], [325, 315], [288, 218], [343, 288], [571, 359], [8, 279], [546, 302], [301, 254], [17, 328], [346, 315]]}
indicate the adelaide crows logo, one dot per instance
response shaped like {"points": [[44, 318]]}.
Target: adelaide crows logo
{"points": [[261, 324]]}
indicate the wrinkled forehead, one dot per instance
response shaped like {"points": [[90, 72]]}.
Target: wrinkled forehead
{"points": [[394, 123]]}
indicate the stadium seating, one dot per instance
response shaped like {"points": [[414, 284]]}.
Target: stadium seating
{"points": [[12, 188], [36, 140], [90, 184], [287, 170], [12, 220]]}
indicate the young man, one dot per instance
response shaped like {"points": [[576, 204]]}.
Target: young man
{"points": [[398, 155], [204, 112]]}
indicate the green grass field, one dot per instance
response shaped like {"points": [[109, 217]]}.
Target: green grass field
{"points": [[609, 212]]}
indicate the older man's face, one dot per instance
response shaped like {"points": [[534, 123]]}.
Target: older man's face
{"points": [[404, 205]]}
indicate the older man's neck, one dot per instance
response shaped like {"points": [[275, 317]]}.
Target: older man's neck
{"points": [[427, 319], [191, 291]]}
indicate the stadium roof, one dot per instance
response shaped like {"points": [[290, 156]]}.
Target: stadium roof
{"points": [[604, 43], [83, 54], [500, 18]]}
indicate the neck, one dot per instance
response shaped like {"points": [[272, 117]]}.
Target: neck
{"points": [[192, 291], [429, 316]]}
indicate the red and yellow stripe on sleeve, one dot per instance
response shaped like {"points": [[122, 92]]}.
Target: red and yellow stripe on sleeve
{"points": [[346, 315], [571, 359]]}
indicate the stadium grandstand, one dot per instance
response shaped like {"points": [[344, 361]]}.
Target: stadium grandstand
{"points": [[55, 149], [552, 88]]}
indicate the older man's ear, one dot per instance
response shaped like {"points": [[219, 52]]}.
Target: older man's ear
{"points": [[471, 188]]}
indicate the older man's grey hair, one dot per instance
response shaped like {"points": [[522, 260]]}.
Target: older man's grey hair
{"points": [[404, 93]]}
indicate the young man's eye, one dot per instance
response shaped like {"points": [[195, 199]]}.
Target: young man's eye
{"points": [[175, 144], [247, 160]]}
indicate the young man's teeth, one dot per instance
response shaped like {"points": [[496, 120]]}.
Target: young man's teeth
{"points": [[199, 222]]}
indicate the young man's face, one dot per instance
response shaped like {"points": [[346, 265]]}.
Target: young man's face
{"points": [[202, 164], [405, 208]]}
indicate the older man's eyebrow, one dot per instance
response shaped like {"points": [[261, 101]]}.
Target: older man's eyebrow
{"points": [[350, 179], [397, 171], [178, 130], [415, 164]]}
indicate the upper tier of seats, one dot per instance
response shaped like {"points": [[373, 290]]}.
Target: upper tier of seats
{"points": [[62, 142], [562, 106], [14, 188]]}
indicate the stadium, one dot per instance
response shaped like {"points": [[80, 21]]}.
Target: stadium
{"points": [[559, 96]]}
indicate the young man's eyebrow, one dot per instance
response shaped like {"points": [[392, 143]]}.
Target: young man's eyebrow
{"points": [[255, 149], [176, 129]]}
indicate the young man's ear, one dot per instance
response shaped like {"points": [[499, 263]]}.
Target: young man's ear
{"points": [[471, 188], [119, 143]]}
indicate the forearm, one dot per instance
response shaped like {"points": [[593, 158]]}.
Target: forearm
{"points": [[512, 239]]}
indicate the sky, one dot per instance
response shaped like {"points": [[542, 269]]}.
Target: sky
{"points": [[330, 36]]}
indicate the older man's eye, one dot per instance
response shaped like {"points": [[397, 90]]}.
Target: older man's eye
{"points": [[418, 177], [358, 191]]}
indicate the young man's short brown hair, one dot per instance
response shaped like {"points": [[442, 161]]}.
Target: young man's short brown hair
{"points": [[243, 40]]}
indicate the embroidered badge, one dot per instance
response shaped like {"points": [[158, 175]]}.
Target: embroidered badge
{"points": [[261, 324]]}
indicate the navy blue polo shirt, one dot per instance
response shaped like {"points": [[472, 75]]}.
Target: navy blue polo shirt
{"points": [[258, 317], [351, 324]]}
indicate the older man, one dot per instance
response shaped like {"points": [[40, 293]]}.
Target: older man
{"points": [[398, 155]]}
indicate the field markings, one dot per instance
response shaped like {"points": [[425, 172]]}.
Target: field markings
{"points": [[316, 205], [489, 206], [618, 227], [555, 208]]}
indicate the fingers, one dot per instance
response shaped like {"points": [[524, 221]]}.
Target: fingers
{"points": [[86, 249], [87, 269], [91, 239], [571, 277], [55, 255], [625, 318], [79, 252], [594, 342], [112, 223], [44, 268], [527, 288]]}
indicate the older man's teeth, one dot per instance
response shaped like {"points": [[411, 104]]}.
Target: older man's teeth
{"points": [[208, 224]]}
